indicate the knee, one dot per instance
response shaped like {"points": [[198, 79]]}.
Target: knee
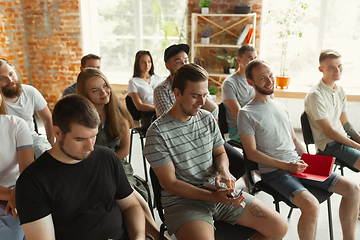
{"points": [[280, 228], [310, 206]]}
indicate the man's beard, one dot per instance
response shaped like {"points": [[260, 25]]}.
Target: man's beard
{"points": [[61, 146], [11, 92], [264, 91]]}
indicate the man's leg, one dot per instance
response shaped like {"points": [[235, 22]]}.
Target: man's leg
{"points": [[309, 206], [197, 230], [268, 223], [348, 211]]}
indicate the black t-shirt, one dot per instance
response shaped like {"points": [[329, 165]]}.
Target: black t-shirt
{"points": [[80, 197]]}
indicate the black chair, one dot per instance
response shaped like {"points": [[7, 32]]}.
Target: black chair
{"points": [[224, 231], [224, 126], [258, 186], [308, 139], [139, 130]]}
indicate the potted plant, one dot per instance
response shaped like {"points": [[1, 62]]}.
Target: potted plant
{"points": [[286, 20], [230, 60], [205, 36], [204, 4], [213, 90]]}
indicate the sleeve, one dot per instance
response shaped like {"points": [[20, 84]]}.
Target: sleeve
{"points": [[30, 202], [227, 91], [244, 123], [69, 90], [124, 188], [156, 151], [39, 100], [161, 100], [317, 106], [132, 87], [23, 135]]}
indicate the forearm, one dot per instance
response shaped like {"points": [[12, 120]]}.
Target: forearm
{"points": [[134, 220], [144, 107], [350, 130], [261, 158], [340, 138], [299, 148], [5, 193], [209, 105], [122, 152], [48, 129]]}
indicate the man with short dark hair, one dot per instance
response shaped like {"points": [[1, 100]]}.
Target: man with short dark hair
{"points": [[77, 190], [90, 60], [235, 90], [325, 106], [185, 148], [24, 100], [174, 57], [269, 139]]}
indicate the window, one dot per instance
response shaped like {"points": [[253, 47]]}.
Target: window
{"points": [[327, 24], [117, 29]]}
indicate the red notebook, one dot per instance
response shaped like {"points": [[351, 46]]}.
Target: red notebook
{"points": [[319, 167]]}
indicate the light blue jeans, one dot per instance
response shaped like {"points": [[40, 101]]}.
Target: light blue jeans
{"points": [[10, 228]]}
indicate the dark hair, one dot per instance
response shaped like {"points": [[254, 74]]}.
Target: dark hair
{"points": [[3, 109], [245, 48], [328, 53], [3, 61], [188, 72], [138, 55], [252, 64], [87, 57], [74, 109]]}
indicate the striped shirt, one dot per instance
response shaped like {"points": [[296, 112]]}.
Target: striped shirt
{"points": [[188, 144]]}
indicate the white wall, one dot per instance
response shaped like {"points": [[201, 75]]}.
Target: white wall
{"points": [[295, 108]]}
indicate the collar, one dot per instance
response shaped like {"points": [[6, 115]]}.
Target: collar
{"points": [[328, 88]]}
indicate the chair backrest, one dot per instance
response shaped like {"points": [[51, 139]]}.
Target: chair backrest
{"points": [[222, 119], [250, 166], [157, 194], [306, 130], [132, 108]]}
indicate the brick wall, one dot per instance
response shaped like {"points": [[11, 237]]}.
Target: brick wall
{"points": [[42, 38], [208, 55]]}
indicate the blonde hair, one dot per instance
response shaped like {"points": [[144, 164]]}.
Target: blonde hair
{"points": [[3, 109], [116, 112]]}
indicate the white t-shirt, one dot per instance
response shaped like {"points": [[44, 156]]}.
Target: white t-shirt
{"points": [[14, 135], [144, 89], [30, 100]]}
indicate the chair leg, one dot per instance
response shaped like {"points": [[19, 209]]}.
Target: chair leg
{"points": [[131, 141], [290, 213], [277, 206], [144, 159], [330, 219]]}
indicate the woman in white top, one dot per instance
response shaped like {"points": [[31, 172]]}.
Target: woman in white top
{"points": [[16, 153], [142, 84]]}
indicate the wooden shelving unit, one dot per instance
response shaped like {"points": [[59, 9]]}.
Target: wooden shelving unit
{"points": [[212, 19]]}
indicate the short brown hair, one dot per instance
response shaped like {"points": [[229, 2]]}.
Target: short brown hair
{"points": [[75, 109], [245, 48], [328, 53], [3, 61], [87, 57], [251, 65], [188, 72]]}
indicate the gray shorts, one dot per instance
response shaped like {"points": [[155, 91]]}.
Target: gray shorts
{"points": [[345, 153], [289, 186], [189, 210]]}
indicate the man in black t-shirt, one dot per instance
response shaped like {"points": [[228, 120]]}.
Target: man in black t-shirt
{"points": [[77, 190]]}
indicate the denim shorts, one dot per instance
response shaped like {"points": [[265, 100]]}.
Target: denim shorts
{"points": [[345, 153], [189, 210], [289, 186]]}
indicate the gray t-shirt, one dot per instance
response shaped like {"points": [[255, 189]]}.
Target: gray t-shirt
{"points": [[270, 124], [188, 145], [236, 87]]}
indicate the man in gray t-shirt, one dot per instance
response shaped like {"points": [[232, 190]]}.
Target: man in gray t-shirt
{"points": [[235, 90], [185, 148], [269, 139]]}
